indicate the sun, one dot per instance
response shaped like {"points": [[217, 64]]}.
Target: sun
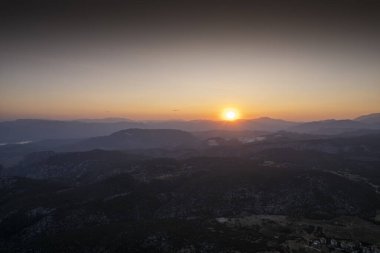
{"points": [[230, 114]]}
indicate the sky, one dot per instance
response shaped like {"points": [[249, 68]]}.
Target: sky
{"points": [[188, 60]]}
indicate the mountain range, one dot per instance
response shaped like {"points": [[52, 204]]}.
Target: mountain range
{"points": [[261, 185], [39, 129], [135, 138], [288, 192]]}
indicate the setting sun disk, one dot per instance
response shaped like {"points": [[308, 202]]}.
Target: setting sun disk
{"points": [[230, 114]]}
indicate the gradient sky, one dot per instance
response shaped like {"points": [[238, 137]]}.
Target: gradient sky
{"points": [[175, 64]]}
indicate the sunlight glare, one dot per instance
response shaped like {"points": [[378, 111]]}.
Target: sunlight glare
{"points": [[230, 114]]}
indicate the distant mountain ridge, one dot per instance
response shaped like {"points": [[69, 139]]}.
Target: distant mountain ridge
{"points": [[328, 127], [106, 120], [373, 118], [39, 129], [139, 139], [268, 124]]}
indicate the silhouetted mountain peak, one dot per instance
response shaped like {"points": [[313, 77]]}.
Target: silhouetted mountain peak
{"points": [[373, 118]]}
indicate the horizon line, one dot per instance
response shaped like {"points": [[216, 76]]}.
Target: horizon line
{"points": [[123, 119]]}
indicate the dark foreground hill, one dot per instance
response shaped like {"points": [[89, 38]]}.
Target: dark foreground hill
{"points": [[274, 199], [223, 192]]}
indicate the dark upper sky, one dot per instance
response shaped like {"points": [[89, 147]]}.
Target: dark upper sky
{"points": [[77, 12], [108, 58]]}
